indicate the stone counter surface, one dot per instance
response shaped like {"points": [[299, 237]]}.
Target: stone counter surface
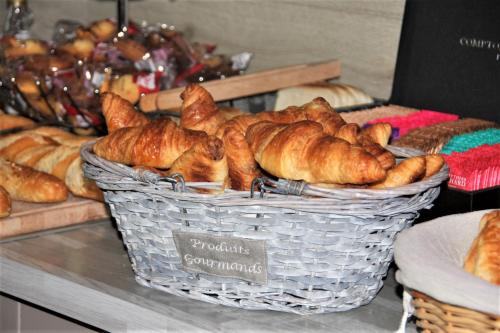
{"points": [[84, 273]]}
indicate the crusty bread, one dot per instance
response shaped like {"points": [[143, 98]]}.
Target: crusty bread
{"points": [[483, 258], [26, 184], [338, 95], [8, 122]]}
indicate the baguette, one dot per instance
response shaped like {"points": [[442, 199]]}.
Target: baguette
{"points": [[8, 122], [5, 204], [26, 184]]}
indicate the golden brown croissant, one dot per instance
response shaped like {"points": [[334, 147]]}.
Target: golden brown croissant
{"points": [[231, 112], [204, 162], [386, 159], [433, 163], [404, 173], [379, 133], [5, 204], [349, 133], [242, 166], [483, 258], [119, 112], [125, 87], [157, 144], [199, 111], [301, 151], [26, 184]]}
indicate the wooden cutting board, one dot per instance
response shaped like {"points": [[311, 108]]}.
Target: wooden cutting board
{"points": [[30, 217]]}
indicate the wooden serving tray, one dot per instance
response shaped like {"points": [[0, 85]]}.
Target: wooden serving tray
{"points": [[30, 217], [247, 85]]}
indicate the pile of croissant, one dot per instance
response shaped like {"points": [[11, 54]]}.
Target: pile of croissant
{"points": [[311, 143], [42, 165]]}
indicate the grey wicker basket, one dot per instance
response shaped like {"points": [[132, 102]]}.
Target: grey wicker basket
{"points": [[326, 250]]}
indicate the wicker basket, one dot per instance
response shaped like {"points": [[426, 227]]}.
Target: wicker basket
{"points": [[436, 317], [326, 249]]}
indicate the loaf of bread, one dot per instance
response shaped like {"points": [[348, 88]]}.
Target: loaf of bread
{"points": [[53, 151], [483, 258], [338, 95], [302, 151], [8, 122], [26, 184], [5, 204]]}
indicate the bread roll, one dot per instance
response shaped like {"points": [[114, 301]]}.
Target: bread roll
{"points": [[338, 95], [27, 184]]}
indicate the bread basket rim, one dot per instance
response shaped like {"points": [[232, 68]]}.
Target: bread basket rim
{"points": [[314, 192]]}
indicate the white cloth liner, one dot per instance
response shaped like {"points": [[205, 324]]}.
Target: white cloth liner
{"points": [[430, 260]]}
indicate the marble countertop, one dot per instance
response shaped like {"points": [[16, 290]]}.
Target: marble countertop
{"points": [[84, 273]]}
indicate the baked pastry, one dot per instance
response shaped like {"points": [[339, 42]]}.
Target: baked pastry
{"points": [[242, 167], [119, 112], [54, 151], [131, 49], [204, 162], [5, 204], [125, 87], [103, 30], [406, 172], [81, 48], [337, 94], [433, 163], [483, 257], [157, 144], [18, 48], [302, 151], [230, 112], [199, 111], [8, 122], [27, 184]]}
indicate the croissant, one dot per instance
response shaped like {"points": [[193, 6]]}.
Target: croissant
{"points": [[5, 204], [125, 87], [301, 151], [119, 112], [242, 166], [483, 258], [433, 163], [230, 112], [404, 173], [199, 111], [26, 184], [379, 133], [204, 162], [157, 144]]}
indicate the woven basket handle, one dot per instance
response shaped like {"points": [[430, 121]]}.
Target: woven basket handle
{"points": [[146, 176], [280, 186]]}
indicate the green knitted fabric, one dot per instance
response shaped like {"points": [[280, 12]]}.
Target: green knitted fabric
{"points": [[464, 142]]}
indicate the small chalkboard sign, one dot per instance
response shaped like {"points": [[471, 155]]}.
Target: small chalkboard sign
{"points": [[223, 256], [449, 57]]}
